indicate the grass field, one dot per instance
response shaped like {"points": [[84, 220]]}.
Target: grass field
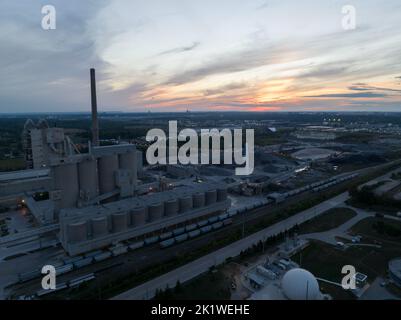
{"points": [[378, 229], [209, 286], [328, 220], [391, 210], [326, 261]]}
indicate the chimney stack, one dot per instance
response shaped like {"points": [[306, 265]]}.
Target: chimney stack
{"points": [[95, 124]]}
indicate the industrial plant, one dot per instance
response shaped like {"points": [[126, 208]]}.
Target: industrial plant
{"points": [[94, 199]]}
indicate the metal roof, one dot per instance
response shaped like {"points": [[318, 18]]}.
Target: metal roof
{"points": [[24, 175], [140, 201]]}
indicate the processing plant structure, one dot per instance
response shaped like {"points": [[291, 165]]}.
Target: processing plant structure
{"points": [[95, 198]]}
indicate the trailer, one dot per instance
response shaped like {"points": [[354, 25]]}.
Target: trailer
{"points": [[72, 260], [165, 236], [213, 219], [227, 222], [64, 269], [136, 245], [44, 292], [167, 243], [194, 234], [117, 251], [181, 238], [78, 281], [191, 227], [217, 225], [202, 223], [206, 229], [83, 263], [102, 256], [152, 240], [23, 277], [178, 231]]}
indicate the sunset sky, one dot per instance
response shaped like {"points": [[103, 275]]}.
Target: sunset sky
{"points": [[174, 55]]}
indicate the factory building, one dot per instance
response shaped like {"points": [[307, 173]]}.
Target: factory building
{"points": [[98, 226], [96, 197], [105, 173], [43, 144]]}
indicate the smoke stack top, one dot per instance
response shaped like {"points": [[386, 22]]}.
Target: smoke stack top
{"points": [[95, 124]]}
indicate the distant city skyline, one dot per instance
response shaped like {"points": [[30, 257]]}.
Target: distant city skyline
{"points": [[226, 55]]}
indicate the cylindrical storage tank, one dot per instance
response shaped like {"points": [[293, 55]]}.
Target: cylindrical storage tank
{"points": [[171, 207], [222, 194], [186, 204], [88, 185], [138, 217], [211, 197], [66, 180], [120, 221], [77, 232], [128, 161], [107, 166], [99, 227], [155, 211], [199, 200]]}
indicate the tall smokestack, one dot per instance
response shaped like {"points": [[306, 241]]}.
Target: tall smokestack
{"points": [[95, 124]]}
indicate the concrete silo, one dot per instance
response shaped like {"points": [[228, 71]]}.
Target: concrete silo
{"points": [[77, 232], [66, 180], [138, 217], [155, 211], [99, 226], [211, 197], [221, 194], [107, 167], [88, 179], [128, 161], [199, 200], [186, 204], [120, 221], [171, 207]]}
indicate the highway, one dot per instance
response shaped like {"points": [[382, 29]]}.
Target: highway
{"points": [[201, 265]]}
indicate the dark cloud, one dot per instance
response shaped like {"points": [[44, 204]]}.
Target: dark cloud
{"points": [[39, 67], [264, 5], [366, 87], [328, 70], [349, 95], [259, 54], [231, 63], [224, 89], [191, 47]]}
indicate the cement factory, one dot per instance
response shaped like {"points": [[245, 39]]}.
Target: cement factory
{"points": [[95, 198], [91, 208]]}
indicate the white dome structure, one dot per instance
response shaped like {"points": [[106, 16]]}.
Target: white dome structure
{"points": [[300, 284]]}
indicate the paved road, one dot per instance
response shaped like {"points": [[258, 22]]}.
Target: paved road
{"points": [[341, 231], [201, 265], [377, 292]]}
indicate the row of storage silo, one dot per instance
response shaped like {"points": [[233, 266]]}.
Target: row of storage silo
{"points": [[121, 221], [90, 177]]}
